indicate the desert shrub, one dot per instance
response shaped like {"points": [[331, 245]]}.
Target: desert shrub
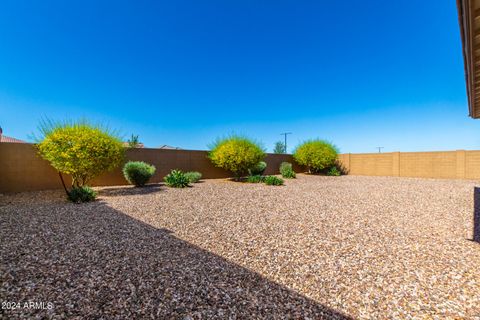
{"points": [[255, 179], [176, 179], [316, 155], [333, 171], [236, 154], [80, 149], [138, 172], [193, 176], [273, 181], [258, 169], [81, 194], [287, 171]]}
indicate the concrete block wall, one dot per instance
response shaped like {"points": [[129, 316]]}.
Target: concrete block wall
{"points": [[459, 164]]}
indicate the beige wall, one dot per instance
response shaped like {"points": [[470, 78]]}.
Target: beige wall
{"points": [[21, 169], [458, 164]]}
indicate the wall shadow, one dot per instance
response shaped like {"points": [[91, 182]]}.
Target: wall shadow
{"points": [[476, 215], [130, 190], [93, 261], [341, 167]]}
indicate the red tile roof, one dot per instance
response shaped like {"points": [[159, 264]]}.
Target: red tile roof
{"points": [[10, 139]]}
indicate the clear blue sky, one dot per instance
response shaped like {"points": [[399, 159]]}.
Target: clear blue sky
{"points": [[359, 73]]}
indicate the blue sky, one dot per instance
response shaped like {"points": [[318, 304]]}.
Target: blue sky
{"points": [[359, 73]]}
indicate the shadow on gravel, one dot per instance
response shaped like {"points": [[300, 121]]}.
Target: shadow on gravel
{"points": [[130, 190], [476, 215], [92, 261]]}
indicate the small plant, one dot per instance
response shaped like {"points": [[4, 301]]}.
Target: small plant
{"points": [[81, 194], [258, 169], [287, 171], [255, 179], [273, 181], [138, 172], [236, 154], [176, 179], [333, 171], [316, 155], [193, 176]]}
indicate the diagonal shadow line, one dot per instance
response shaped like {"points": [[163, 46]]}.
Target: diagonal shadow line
{"points": [[94, 261], [130, 190], [476, 214]]}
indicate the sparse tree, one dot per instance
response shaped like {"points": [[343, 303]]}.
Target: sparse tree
{"points": [[279, 147], [133, 142]]}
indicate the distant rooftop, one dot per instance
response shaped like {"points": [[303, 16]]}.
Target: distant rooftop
{"points": [[139, 145], [166, 146], [4, 138], [10, 139]]}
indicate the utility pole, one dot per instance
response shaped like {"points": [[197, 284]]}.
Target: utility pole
{"points": [[379, 149], [285, 134]]}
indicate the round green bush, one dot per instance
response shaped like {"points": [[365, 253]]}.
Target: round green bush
{"points": [[316, 155], [81, 194], [273, 181], [236, 154], [138, 173], [176, 179], [193, 176], [258, 169], [287, 171]]}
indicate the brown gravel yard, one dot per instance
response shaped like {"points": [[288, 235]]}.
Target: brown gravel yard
{"points": [[318, 247]]}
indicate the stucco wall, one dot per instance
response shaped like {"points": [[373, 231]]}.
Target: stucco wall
{"points": [[21, 169]]}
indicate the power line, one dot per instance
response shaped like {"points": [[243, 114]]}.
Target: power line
{"points": [[379, 149], [285, 134]]}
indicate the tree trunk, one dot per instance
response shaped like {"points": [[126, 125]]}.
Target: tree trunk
{"points": [[63, 183]]}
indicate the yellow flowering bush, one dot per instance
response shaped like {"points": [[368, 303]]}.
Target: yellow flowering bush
{"points": [[316, 155], [236, 154], [80, 149]]}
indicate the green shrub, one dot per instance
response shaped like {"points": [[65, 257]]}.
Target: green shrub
{"points": [[289, 174], [79, 149], [316, 155], [138, 172], [193, 176], [236, 154], [176, 179], [255, 179], [333, 171], [81, 194], [287, 171], [273, 181], [258, 169], [285, 166]]}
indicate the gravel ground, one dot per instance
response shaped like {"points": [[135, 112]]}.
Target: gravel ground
{"points": [[318, 247]]}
